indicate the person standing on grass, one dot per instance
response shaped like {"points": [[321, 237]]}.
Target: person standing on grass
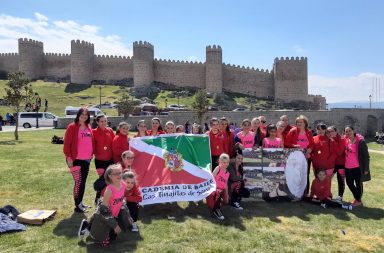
{"points": [[216, 199], [141, 129], [286, 125], [255, 127], [156, 129], [301, 137], [356, 163], [103, 137], [170, 127], [236, 184], [271, 140], [78, 149], [229, 138], [121, 141], [216, 141], [245, 138], [339, 161]]}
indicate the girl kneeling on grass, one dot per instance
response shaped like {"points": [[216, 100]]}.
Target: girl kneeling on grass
{"points": [[216, 199], [132, 197], [112, 216], [321, 192]]}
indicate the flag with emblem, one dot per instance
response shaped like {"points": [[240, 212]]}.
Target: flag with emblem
{"points": [[174, 167]]}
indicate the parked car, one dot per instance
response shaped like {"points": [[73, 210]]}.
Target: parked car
{"points": [[71, 111], [106, 105], [241, 109], [28, 119]]}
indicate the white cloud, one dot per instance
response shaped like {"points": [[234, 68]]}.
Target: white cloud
{"points": [[56, 35], [299, 49], [353, 88]]}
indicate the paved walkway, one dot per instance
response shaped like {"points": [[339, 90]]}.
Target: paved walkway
{"points": [[21, 129], [376, 151]]}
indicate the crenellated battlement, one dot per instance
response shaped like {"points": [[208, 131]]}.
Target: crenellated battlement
{"points": [[238, 67], [213, 48], [178, 61], [57, 54], [9, 54], [143, 44], [292, 59], [25, 41], [113, 57], [82, 43]]}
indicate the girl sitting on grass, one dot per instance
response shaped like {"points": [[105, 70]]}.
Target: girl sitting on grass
{"points": [[112, 216]]}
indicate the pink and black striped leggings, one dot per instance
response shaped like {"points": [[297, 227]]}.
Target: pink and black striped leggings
{"points": [[79, 173]]}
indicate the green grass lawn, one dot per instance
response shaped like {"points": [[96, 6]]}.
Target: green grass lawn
{"points": [[375, 146], [34, 176], [58, 98]]}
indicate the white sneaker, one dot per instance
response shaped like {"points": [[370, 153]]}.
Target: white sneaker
{"points": [[339, 199], [134, 227], [83, 229], [323, 205], [218, 214], [347, 207], [237, 206]]}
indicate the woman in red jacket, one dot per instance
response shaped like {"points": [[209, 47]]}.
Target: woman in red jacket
{"points": [[103, 137], [121, 141], [301, 137], [156, 129], [339, 161], [78, 150], [141, 129], [229, 137], [323, 153]]}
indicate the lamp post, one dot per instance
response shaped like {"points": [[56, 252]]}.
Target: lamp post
{"points": [[370, 102], [37, 107]]}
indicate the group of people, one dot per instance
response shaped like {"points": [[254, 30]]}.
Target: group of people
{"points": [[329, 153]]}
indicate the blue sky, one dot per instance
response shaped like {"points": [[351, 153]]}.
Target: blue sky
{"points": [[343, 40]]}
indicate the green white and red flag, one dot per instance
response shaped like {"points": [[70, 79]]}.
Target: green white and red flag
{"points": [[174, 167]]}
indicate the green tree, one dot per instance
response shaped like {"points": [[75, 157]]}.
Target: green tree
{"points": [[200, 103], [126, 104], [18, 92]]}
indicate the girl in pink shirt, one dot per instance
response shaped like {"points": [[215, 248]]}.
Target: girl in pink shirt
{"points": [[245, 138], [271, 140], [112, 215], [221, 175]]}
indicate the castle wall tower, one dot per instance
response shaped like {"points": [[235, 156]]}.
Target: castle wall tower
{"points": [[82, 60], [143, 60], [214, 69], [31, 55], [290, 79]]}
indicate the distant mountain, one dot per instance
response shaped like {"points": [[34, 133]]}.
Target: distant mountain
{"points": [[356, 104]]}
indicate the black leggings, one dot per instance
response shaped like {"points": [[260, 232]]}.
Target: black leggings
{"points": [[79, 173], [353, 178], [308, 172], [340, 179], [101, 167], [328, 202], [238, 194], [133, 210]]}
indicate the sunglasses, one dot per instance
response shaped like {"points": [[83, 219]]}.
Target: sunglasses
{"points": [[263, 121]]}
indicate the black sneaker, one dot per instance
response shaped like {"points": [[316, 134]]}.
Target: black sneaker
{"points": [[80, 209], [83, 229]]}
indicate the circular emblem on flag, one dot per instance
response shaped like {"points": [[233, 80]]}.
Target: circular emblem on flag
{"points": [[173, 160], [296, 173]]}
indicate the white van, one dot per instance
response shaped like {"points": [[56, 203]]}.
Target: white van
{"points": [[28, 119], [71, 112]]}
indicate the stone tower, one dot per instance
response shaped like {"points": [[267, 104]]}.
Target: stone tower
{"points": [[82, 59], [31, 56], [143, 57], [214, 69], [290, 79]]}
